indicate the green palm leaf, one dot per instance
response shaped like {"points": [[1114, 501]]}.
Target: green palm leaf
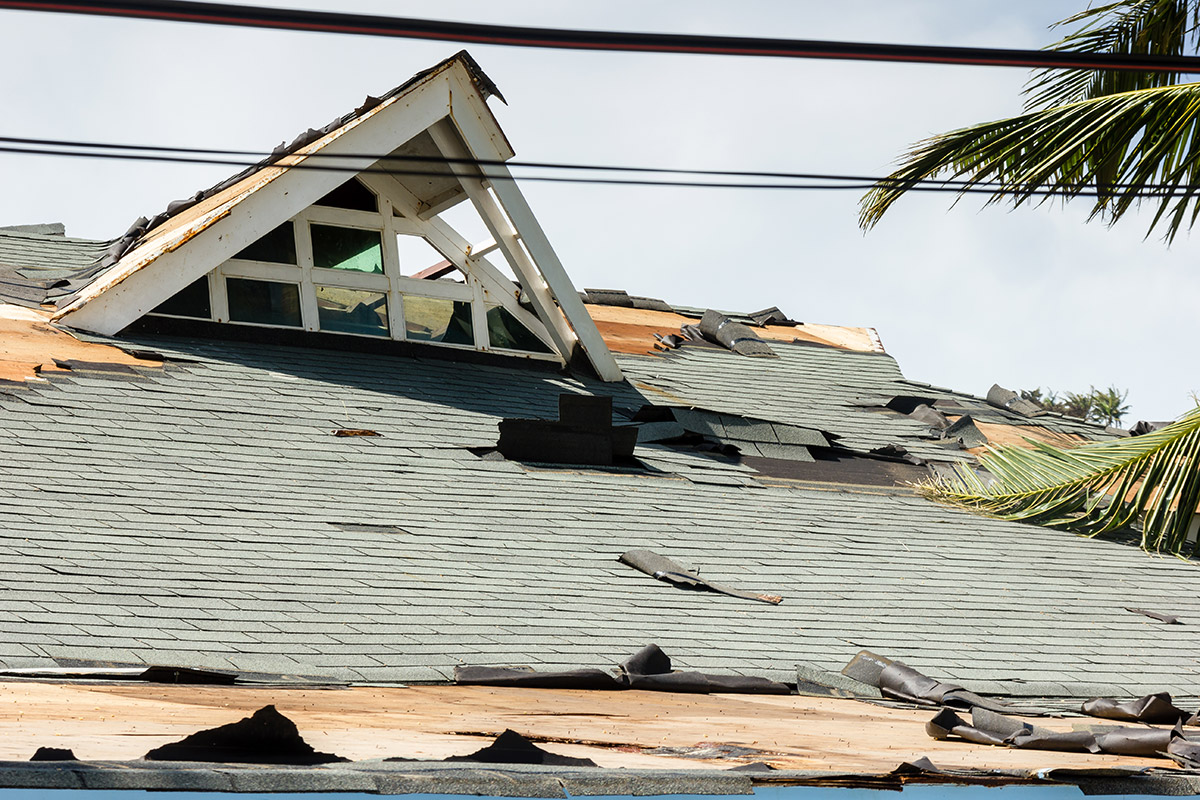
{"points": [[1153, 479], [1126, 27], [1134, 147]]}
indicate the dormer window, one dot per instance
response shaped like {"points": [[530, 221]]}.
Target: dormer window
{"points": [[333, 268], [361, 246]]}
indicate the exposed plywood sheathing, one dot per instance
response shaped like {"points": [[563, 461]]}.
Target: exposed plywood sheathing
{"points": [[631, 330], [615, 729], [1016, 435], [29, 344]]}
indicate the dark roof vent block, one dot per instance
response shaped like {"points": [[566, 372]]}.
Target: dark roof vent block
{"points": [[582, 435]]}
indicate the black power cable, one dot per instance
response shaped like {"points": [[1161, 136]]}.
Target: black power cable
{"points": [[519, 36], [788, 181]]}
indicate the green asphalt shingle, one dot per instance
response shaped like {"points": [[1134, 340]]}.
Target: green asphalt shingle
{"points": [[201, 514]]}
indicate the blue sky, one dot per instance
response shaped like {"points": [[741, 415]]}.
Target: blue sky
{"points": [[963, 296]]}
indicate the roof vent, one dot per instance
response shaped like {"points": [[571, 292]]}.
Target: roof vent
{"points": [[583, 434]]}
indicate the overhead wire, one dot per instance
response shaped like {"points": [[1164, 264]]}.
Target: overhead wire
{"points": [[393, 164], [612, 41]]}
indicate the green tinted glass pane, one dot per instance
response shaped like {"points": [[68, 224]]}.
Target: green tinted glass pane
{"points": [[265, 302], [191, 301], [347, 248], [505, 330], [352, 195], [277, 247], [434, 319], [352, 311]]}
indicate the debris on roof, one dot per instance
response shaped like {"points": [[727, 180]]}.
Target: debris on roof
{"points": [[1010, 400], [664, 569], [511, 747], [716, 327], [30, 346], [265, 737], [965, 432], [1155, 709]]}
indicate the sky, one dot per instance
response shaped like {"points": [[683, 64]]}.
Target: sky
{"points": [[963, 295]]}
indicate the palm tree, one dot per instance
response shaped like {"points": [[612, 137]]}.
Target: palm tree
{"points": [[1122, 138], [1150, 481]]}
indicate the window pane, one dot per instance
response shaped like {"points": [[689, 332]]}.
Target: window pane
{"points": [[433, 319], [265, 302], [278, 247], [347, 248], [352, 195], [191, 301], [352, 311], [505, 330]]}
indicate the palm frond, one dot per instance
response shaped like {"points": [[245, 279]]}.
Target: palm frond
{"points": [[1125, 27], [1122, 149], [1098, 487]]}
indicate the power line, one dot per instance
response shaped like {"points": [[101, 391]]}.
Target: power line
{"points": [[519, 36], [782, 180]]}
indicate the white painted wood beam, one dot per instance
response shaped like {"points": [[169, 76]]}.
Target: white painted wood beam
{"points": [[166, 263], [468, 118]]}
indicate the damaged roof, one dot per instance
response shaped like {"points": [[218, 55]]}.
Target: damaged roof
{"points": [[273, 510], [202, 509]]}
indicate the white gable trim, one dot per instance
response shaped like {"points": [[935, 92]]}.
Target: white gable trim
{"points": [[202, 239]]}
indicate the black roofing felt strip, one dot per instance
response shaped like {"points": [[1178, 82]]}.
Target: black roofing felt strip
{"points": [[649, 668], [664, 569], [901, 682], [1170, 619], [53, 754], [266, 737], [1153, 708], [987, 727], [716, 327], [520, 36], [591, 679], [511, 747]]}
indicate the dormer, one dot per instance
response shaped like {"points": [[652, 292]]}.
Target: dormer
{"points": [[347, 232]]}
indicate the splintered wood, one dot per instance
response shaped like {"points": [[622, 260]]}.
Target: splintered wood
{"points": [[29, 345], [632, 729]]}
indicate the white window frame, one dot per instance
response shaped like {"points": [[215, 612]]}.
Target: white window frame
{"points": [[389, 222]]}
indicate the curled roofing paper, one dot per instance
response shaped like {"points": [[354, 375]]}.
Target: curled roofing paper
{"points": [[901, 682], [1184, 752], [716, 327], [988, 727], [1153, 708], [650, 668], [518, 676], [966, 432], [664, 569], [1170, 619], [511, 747], [266, 737]]}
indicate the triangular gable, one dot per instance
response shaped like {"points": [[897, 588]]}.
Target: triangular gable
{"points": [[441, 114]]}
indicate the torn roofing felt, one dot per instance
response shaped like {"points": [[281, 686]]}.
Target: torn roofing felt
{"points": [[265, 737], [511, 747], [649, 668], [664, 569]]}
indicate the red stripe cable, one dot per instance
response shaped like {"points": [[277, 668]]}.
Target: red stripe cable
{"points": [[517, 36]]}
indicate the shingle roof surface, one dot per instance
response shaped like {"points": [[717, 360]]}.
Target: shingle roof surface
{"points": [[202, 514], [32, 265]]}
